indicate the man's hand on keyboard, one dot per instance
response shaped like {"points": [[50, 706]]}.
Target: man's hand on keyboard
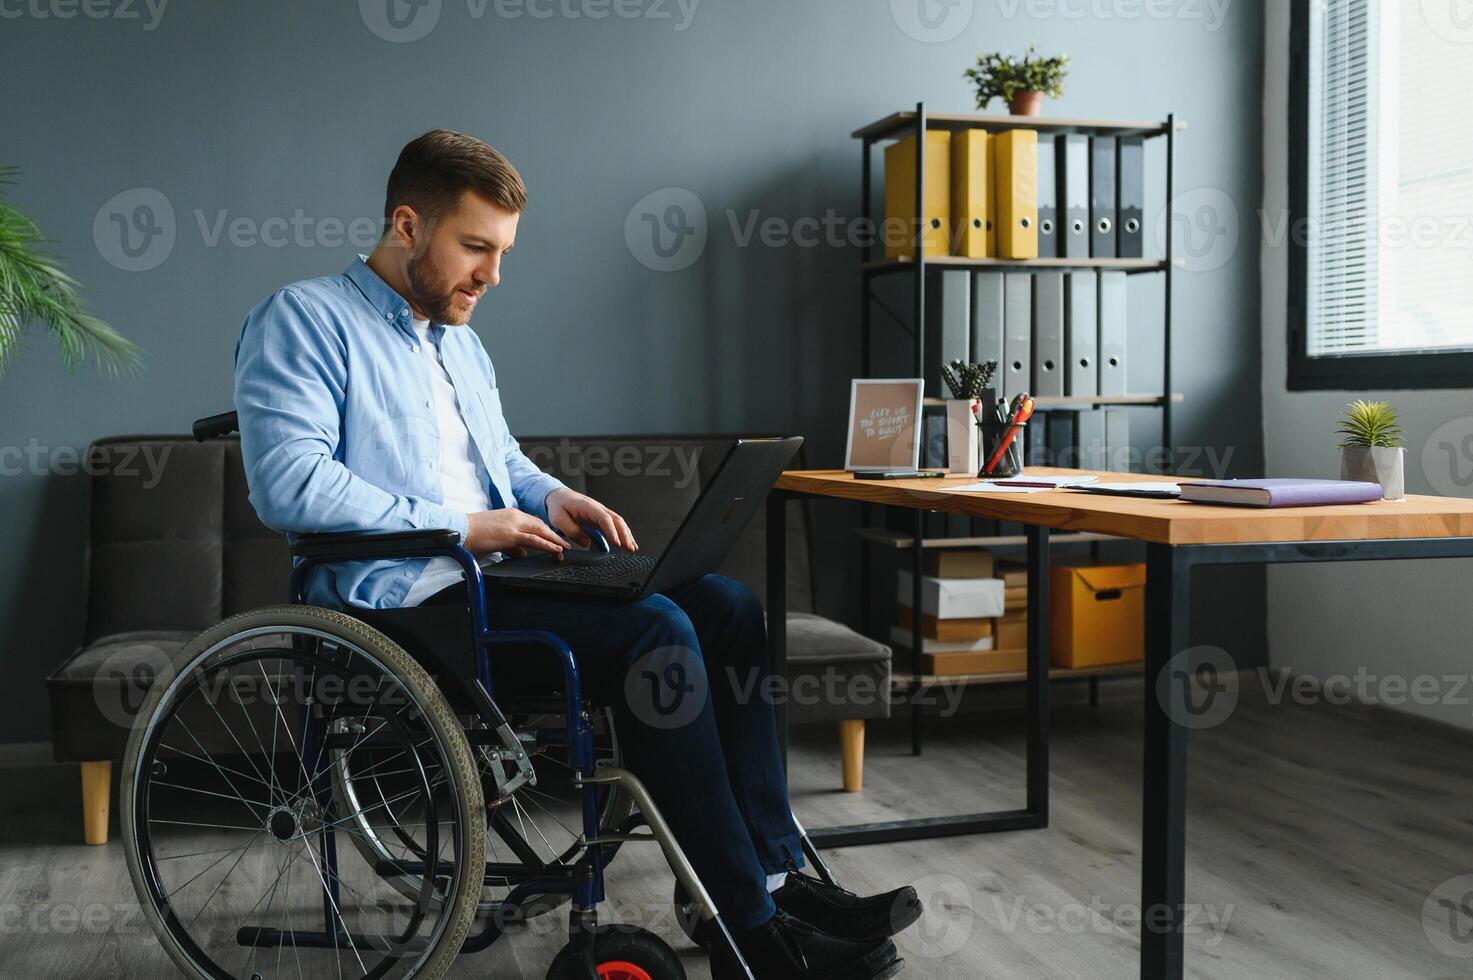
{"points": [[510, 530], [568, 510]]}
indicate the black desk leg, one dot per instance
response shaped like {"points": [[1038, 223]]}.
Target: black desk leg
{"points": [[917, 635], [777, 606], [1038, 668], [1163, 849]]}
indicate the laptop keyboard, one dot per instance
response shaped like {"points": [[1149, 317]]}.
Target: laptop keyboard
{"points": [[618, 567]]}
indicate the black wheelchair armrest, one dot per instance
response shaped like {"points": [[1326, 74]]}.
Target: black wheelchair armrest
{"points": [[374, 544], [215, 426]]}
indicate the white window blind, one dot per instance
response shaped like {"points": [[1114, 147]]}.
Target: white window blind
{"points": [[1389, 237]]}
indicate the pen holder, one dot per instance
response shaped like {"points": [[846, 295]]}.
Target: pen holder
{"points": [[1010, 464]]}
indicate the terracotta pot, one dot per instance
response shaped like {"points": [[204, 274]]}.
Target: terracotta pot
{"points": [[1026, 104], [1381, 465]]}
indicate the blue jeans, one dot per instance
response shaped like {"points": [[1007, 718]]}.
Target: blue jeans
{"points": [[687, 676]]}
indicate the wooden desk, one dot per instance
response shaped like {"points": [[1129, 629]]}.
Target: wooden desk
{"points": [[1179, 537]]}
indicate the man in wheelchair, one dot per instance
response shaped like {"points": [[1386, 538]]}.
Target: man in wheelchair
{"points": [[365, 405]]}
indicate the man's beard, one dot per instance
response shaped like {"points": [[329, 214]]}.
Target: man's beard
{"points": [[432, 293]]}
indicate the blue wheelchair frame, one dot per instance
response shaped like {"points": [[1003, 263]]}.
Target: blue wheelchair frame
{"points": [[584, 881]]}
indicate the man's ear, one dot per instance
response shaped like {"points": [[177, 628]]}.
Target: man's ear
{"points": [[408, 230]]}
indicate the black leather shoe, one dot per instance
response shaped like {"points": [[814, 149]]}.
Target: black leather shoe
{"points": [[785, 948], [844, 914]]}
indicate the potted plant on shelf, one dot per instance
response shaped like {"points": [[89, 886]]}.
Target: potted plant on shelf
{"points": [[1020, 82], [1371, 449], [34, 289]]}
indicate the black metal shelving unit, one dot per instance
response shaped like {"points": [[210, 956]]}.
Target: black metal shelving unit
{"points": [[901, 124]]}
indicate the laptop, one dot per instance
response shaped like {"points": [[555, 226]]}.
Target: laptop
{"points": [[705, 537]]}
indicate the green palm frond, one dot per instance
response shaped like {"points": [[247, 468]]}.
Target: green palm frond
{"points": [[35, 289]]}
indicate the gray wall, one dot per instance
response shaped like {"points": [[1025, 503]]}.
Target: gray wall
{"points": [[273, 109], [1394, 623]]}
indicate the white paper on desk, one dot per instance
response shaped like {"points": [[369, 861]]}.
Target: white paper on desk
{"points": [[1019, 484], [996, 488]]}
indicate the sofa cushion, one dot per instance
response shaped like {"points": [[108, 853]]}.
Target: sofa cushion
{"points": [[154, 546], [814, 641], [97, 692], [122, 654], [834, 673]]}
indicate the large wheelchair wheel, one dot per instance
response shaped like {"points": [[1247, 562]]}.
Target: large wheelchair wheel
{"points": [[530, 831], [232, 828]]}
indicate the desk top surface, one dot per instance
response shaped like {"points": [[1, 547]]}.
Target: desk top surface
{"points": [[1161, 521]]}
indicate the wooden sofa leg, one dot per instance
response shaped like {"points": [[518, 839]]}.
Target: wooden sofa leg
{"points": [[851, 749], [97, 787]]}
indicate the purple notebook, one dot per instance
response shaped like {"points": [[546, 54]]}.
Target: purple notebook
{"points": [[1280, 493]]}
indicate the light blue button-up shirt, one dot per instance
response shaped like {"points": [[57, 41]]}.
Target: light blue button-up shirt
{"points": [[338, 428]]}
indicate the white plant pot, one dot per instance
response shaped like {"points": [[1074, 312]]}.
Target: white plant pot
{"points": [[1376, 464], [963, 439]]}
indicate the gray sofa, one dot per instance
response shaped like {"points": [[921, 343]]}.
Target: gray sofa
{"points": [[173, 550]]}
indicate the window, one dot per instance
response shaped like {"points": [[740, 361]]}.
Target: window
{"points": [[1381, 195]]}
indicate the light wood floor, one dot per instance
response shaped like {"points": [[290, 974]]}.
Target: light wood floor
{"points": [[1316, 837]]}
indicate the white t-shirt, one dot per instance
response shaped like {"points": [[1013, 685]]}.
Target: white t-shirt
{"points": [[460, 478]]}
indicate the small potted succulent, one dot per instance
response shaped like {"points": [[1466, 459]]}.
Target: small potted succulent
{"points": [[1020, 82], [969, 384], [1371, 449]]}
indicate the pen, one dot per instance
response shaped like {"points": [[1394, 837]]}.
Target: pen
{"points": [[1020, 415]]}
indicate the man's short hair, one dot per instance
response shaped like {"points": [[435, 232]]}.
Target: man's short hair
{"points": [[433, 171]]}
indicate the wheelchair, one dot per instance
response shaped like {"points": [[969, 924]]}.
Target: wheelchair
{"points": [[312, 793]]}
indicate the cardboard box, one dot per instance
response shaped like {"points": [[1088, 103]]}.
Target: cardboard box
{"points": [[900, 637], [1011, 630], [954, 598], [1014, 574], [982, 662], [955, 563], [1099, 615], [948, 629]]}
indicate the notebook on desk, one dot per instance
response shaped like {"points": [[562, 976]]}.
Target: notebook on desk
{"points": [[1280, 492]]}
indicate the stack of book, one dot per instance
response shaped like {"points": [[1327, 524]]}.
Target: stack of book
{"points": [[962, 604]]}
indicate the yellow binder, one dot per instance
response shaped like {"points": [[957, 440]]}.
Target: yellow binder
{"points": [[1015, 170], [898, 231], [972, 195]]}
